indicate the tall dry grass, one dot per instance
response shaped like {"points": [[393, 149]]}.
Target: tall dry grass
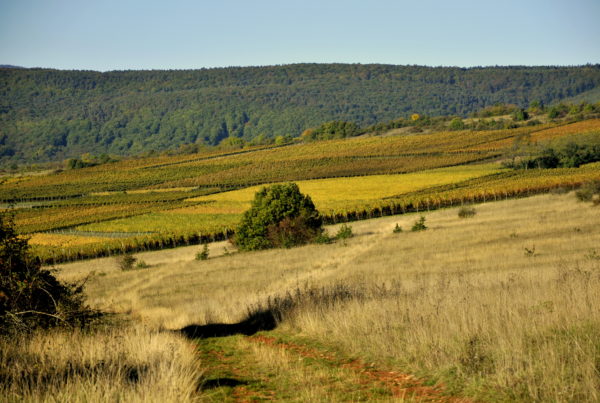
{"points": [[464, 302], [119, 364]]}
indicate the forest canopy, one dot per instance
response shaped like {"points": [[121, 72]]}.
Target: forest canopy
{"points": [[50, 115]]}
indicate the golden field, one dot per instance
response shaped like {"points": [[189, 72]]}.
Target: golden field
{"points": [[503, 306]]}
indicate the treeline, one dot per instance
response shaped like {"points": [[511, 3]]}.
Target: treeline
{"points": [[570, 153], [496, 117], [50, 115]]}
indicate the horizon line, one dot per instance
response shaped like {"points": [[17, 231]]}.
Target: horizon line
{"points": [[11, 66]]}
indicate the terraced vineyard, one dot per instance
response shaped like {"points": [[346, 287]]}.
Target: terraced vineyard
{"points": [[156, 202]]}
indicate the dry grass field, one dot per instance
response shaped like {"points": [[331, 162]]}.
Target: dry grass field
{"points": [[128, 364], [503, 306]]}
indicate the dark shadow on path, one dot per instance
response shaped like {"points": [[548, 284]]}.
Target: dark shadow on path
{"points": [[256, 322], [264, 317]]}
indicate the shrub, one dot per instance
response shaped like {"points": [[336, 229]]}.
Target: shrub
{"points": [[344, 232], [520, 115], [279, 216], [457, 124], [203, 254], [585, 194], [30, 296], [141, 265], [588, 192], [466, 212], [397, 229], [419, 225], [323, 238], [126, 261]]}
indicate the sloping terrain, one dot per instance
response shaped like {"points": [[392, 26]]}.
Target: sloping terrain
{"points": [[150, 203], [50, 115], [502, 306]]}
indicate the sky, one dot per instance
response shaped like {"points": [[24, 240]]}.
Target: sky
{"points": [[185, 34]]}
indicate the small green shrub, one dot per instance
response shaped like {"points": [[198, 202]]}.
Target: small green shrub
{"points": [[141, 265], [344, 232], [203, 254], [397, 229], [588, 192], [126, 261], [323, 238], [467, 212], [419, 225]]}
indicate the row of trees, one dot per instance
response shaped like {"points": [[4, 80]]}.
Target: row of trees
{"points": [[569, 155]]}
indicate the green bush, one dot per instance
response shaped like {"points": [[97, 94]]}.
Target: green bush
{"points": [[126, 261], [280, 216], [344, 232], [457, 124], [589, 192], [203, 254], [397, 229], [32, 297], [141, 265], [323, 238], [467, 212], [419, 225]]}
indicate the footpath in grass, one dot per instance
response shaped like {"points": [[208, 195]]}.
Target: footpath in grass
{"points": [[280, 367]]}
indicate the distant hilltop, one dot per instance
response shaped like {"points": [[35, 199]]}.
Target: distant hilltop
{"points": [[48, 115]]}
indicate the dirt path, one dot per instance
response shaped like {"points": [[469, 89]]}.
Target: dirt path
{"points": [[280, 367]]}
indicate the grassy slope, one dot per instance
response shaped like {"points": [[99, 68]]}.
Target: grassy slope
{"points": [[463, 303]]}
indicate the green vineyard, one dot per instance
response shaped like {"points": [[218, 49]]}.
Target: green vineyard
{"points": [[167, 201]]}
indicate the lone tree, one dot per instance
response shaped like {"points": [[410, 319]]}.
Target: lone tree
{"points": [[280, 216], [30, 296]]}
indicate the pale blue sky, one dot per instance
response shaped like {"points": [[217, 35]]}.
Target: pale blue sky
{"points": [[183, 34]]}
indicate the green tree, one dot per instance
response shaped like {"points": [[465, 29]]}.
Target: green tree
{"points": [[457, 124], [280, 216], [520, 115]]}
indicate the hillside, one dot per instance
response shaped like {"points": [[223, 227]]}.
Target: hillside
{"points": [[49, 115], [167, 201]]}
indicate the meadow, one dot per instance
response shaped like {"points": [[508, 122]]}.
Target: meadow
{"points": [[502, 306]]}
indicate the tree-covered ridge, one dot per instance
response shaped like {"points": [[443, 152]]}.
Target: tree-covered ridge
{"points": [[52, 114]]}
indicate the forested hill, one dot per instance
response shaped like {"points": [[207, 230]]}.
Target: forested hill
{"points": [[52, 114]]}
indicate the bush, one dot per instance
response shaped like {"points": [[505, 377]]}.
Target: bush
{"points": [[203, 254], [126, 261], [344, 232], [467, 212], [588, 192], [280, 216], [457, 124], [397, 229], [585, 194], [31, 297], [141, 265], [419, 225], [323, 238]]}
